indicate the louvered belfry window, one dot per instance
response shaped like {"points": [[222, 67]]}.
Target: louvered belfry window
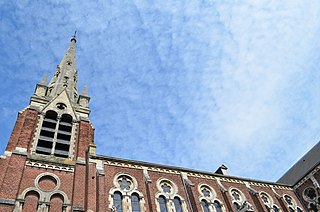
{"points": [[55, 135]]}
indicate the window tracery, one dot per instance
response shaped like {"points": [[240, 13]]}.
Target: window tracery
{"points": [[291, 203], [167, 197], [208, 199], [311, 196], [125, 196], [267, 200], [239, 201]]}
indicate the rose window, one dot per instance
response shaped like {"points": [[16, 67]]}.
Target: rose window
{"points": [[310, 193], [125, 183], [166, 188], [288, 200], [236, 195], [205, 192]]}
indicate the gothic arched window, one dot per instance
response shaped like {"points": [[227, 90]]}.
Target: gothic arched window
{"points": [[168, 198], [63, 136], [236, 206], [267, 200], [217, 206], [163, 204], [299, 209], [208, 198], [117, 201], [125, 194], [205, 206], [275, 209], [47, 133], [177, 204], [135, 203], [55, 135]]}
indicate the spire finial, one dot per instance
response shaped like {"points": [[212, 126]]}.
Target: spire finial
{"points": [[44, 80], [74, 37], [84, 91]]}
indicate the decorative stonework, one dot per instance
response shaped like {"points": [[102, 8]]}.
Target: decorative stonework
{"points": [[49, 166], [168, 193], [306, 178], [208, 198], [194, 174], [45, 195], [239, 201], [127, 187]]}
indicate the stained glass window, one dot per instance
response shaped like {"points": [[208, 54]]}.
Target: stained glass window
{"points": [[236, 206], [124, 183], [206, 192], [310, 193], [162, 203], [177, 204], [235, 195], [166, 188], [117, 201], [217, 206], [135, 203], [288, 199], [205, 206]]}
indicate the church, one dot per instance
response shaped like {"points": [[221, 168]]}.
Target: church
{"points": [[50, 164]]}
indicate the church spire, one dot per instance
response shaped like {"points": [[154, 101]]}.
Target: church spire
{"points": [[65, 76]]}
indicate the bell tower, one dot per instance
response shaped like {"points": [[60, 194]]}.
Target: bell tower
{"points": [[44, 164]]}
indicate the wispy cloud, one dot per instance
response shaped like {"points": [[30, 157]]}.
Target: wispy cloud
{"points": [[186, 83]]}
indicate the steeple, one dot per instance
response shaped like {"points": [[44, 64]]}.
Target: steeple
{"points": [[65, 76]]}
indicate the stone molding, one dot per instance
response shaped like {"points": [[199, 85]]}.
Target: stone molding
{"points": [[198, 175], [306, 178], [49, 166], [5, 201]]}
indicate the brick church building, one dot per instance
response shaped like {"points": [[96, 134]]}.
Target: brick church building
{"points": [[50, 164]]}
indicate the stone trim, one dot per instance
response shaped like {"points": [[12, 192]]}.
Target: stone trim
{"points": [[303, 180], [49, 166], [5, 201], [193, 174]]}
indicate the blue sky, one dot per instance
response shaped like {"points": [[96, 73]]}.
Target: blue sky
{"points": [[187, 83]]}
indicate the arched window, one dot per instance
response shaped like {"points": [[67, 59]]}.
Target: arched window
{"points": [[125, 192], [236, 206], [299, 210], [217, 206], [117, 201], [135, 202], [162, 203], [55, 135], [63, 136], [177, 204], [208, 198], [275, 209], [291, 209], [47, 133], [205, 206]]}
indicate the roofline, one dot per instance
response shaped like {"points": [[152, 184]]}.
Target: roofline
{"points": [[300, 161], [301, 178], [103, 157]]}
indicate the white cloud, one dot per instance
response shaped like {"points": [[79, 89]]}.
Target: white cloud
{"points": [[185, 83]]}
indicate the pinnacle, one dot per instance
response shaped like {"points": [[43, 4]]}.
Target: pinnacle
{"points": [[84, 91]]}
